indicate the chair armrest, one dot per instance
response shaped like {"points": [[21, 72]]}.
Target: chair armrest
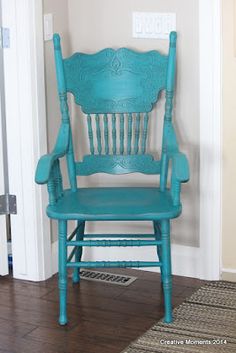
{"points": [[180, 167], [44, 168], [46, 162]]}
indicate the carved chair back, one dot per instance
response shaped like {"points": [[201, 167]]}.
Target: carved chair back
{"points": [[117, 90]]}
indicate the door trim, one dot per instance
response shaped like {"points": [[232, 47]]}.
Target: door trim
{"points": [[26, 136], [210, 34], [3, 166]]}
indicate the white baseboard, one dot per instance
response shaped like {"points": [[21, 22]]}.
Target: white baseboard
{"points": [[185, 259], [228, 274]]}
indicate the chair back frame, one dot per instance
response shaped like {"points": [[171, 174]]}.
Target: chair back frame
{"points": [[117, 89]]}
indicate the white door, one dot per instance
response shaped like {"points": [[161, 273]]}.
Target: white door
{"points": [[26, 136], [3, 232], [3, 171]]}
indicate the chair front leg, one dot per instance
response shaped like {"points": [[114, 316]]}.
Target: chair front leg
{"points": [[78, 253], [62, 225], [166, 269]]}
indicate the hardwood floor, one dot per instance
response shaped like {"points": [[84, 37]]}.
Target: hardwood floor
{"points": [[104, 318]]}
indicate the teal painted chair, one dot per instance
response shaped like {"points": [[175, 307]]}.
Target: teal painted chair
{"points": [[116, 90]]}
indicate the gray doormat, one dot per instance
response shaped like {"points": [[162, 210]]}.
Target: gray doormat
{"points": [[205, 322]]}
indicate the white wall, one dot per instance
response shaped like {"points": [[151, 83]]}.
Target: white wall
{"points": [[59, 10]]}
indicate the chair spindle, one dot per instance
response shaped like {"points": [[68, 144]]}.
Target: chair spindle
{"points": [[90, 133], [98, 133], [130, 122], [106, 138], [137, 133], [122, 120], [145, 131], [114, 133]]}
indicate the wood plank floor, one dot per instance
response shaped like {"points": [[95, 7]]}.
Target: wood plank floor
{"points": [[104, 318]]}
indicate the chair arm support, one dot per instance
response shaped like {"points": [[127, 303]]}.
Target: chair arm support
{"points": [[180, 174], [180, 167], [46, 162]]}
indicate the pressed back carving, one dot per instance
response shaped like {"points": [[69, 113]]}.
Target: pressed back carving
{"points": [[116, 81]]}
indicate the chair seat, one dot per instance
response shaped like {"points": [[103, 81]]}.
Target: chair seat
{"points": [[115, 203]]}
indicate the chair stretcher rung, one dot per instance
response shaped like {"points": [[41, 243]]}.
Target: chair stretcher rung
{"points": [[119, 235], [124, 242], [91, 264]]}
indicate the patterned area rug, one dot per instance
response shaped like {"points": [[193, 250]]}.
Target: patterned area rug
{"points": [[205, 322]]}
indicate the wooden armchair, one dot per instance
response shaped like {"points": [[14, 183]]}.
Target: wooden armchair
{"points": [[116, 89]]}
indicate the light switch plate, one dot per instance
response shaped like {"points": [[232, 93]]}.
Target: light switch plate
{"points": [[48, 26], [153, 24]]}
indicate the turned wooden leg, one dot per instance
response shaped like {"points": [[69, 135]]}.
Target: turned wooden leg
{"points": [[78, 253], [62, 271], [166, 270], [157, 231]]}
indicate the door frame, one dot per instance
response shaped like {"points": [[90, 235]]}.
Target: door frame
{"points": [[3, 167], [3, 230], [210, 58], [26, 137], [35, 242]]}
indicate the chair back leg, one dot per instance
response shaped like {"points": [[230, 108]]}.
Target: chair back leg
{"points": [[157, 232], [78, 253], [62, 225], [166, 270]]}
